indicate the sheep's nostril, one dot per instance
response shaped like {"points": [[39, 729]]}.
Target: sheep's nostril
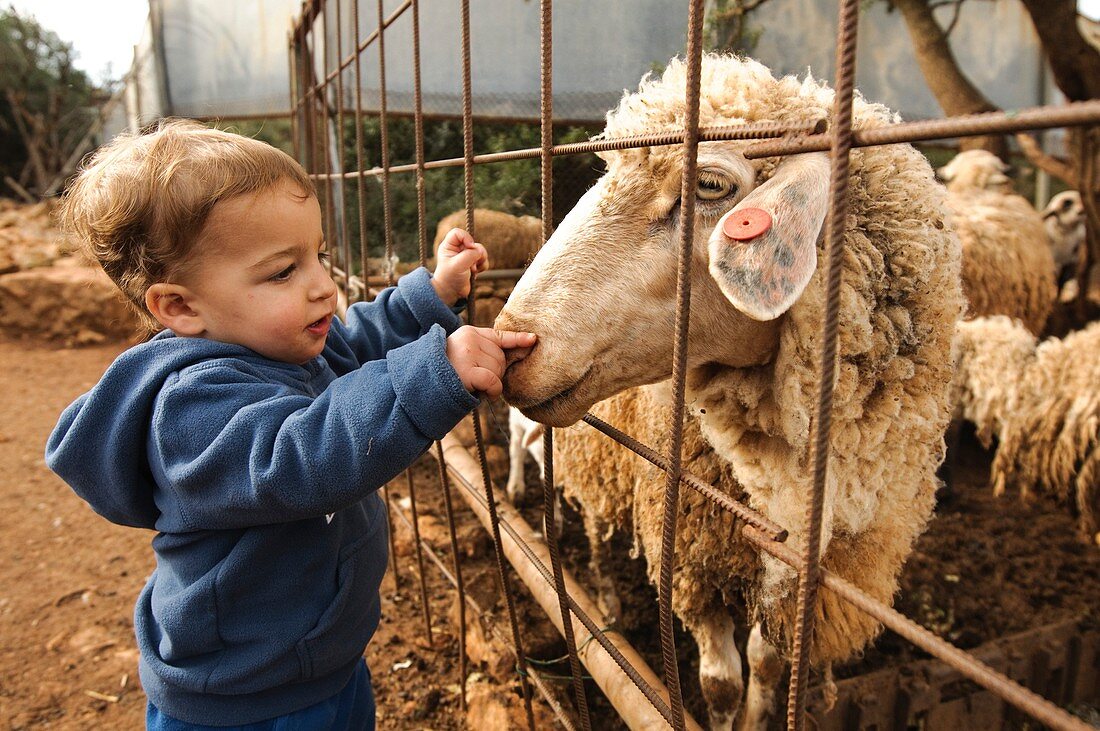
{"points": [[513, 355]]}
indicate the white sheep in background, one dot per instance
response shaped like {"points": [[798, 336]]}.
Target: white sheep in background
{"points": [[975, 170], [1042, 403], [1007, 267], [1064, 219], [601, 297], [525, 437]]}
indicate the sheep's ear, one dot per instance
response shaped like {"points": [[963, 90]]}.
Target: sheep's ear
{"points": [[533, 435], [764, 251], [999, 178]]}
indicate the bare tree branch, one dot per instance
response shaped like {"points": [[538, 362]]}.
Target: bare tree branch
{"points": [[1056, 166]]}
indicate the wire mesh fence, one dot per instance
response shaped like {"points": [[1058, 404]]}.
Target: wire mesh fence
{"points": [[373, 176]]}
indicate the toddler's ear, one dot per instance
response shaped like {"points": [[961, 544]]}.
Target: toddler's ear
{"points": [[171, 304]]}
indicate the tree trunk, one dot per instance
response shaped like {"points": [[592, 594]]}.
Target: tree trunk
{"points": [[954, 92], [1076, 68], [1076, 64]]}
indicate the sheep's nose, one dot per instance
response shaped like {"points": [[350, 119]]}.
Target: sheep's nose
{"points": [[516, 354]]}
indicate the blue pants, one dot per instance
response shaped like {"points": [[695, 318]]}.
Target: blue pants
{"points": [[352, 709]]}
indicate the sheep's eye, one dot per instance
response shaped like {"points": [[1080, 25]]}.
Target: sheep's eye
{"points": [[712, 187]]}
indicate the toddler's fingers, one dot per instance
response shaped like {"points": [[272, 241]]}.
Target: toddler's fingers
{"points": [[458, 239], [490, 353], [484, 380], [467, 259], [507, 339], [483, 257]]}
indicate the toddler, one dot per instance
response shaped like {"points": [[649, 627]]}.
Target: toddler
{"points": [[253, 431]]}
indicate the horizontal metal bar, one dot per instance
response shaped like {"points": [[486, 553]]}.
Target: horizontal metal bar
{"points": [[706, 134], [1068, 115], [745, 513]]}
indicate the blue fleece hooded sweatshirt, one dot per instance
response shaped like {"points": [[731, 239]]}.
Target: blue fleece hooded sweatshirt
{"points": [[260, 479]]}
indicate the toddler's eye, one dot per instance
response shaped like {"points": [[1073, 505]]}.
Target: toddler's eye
{"points": [[283, 275], [323, 256]]}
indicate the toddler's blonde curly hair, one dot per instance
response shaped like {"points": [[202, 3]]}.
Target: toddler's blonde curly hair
{"points": [[140, 202]]}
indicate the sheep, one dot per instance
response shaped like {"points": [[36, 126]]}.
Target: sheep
{"points": [[1041, 402], [525, 437], [510, 240], [1007, 267], [601, 297], [1064, 219]]}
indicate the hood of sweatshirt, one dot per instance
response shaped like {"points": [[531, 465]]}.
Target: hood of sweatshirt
{"points": [[99, 443]]}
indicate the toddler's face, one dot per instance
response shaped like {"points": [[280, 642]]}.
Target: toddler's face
{"points": [[259, 276]]}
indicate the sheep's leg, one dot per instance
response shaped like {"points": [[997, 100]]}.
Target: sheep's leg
{"points": [[516, 455], [607, 599], [1087, 477], [719, 669], [953, 443], [765, 675]]}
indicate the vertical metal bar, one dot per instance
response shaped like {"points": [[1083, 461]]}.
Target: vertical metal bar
{"points": [[810, 576], [424, 604], [549, 492], [387, 223], [468, 184], [460, 586], [323, 98], [292, 78], [387, 229], [418, 123], [310, 109], [359, 179], [444, 481], [679, 365], [345, 243]]}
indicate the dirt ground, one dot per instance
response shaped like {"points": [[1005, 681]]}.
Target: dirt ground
{"points": [[68, 580]]}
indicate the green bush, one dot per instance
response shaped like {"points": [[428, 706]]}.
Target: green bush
{"points": [[514, 187]]}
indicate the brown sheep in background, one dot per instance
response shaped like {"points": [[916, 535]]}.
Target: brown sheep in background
{"points": [[512, 241]]}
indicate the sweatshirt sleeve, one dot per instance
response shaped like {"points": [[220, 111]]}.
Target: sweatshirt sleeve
{"points": [[229, 449], [399, 315]]}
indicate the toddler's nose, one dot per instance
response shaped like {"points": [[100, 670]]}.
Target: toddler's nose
{"points": [[324, 287]]}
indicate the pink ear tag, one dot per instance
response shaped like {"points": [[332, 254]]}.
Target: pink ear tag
{"points": [[746, 223]]}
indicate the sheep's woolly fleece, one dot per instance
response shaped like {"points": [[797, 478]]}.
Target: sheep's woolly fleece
{"points": [[1050, 439], [1007, 266], [899, 300], [991, 356]]}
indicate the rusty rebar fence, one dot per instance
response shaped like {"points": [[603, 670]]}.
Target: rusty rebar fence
{"points": [[319, 102]]}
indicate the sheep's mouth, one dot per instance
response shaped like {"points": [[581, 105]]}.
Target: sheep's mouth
{"points": [[550, 411]]}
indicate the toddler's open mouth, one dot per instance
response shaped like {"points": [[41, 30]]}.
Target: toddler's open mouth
{"points": [[320, 326]]}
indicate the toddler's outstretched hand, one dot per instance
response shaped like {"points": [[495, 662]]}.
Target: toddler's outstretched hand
{"points": [[456, 258], [477, 354]]}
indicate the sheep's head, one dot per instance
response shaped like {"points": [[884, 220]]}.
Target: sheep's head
{"points": [[975, 170], [601, 294], [1064, 218]]}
